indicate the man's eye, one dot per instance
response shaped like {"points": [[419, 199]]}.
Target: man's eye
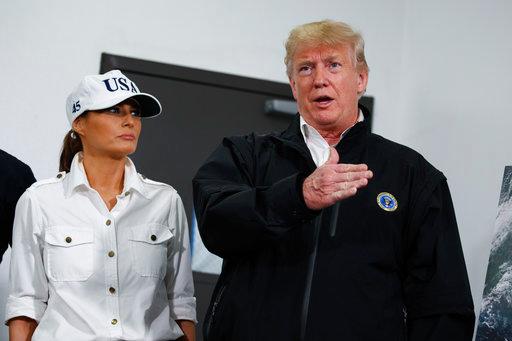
{"points": [[135, 113], [113, 110], [306, 69], [335, 65]]}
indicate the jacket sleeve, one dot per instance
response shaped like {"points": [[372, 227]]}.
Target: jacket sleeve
{"points": [[234, 215], [437, 293], [15, 185]]}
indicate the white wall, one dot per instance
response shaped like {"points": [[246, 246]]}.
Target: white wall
{"points": [[453, 105], [48, 46], [438, 72]]}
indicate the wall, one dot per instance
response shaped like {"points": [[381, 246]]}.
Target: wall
{"points": [[48, 46], [453, 107], [438, 72]]}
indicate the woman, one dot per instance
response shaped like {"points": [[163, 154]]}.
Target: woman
{"points": [[100, 252]]}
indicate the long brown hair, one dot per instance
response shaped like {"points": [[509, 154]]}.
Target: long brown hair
{"points": [[70, 146]]}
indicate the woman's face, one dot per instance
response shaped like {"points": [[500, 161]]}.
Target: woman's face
{"points": [[112, 132]]}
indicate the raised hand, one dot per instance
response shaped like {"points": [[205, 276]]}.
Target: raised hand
{"points": [[333, 182]]}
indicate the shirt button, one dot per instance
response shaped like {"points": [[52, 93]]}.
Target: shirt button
{"points": [[127, 193], [114, 322], [108, 222], [112, 290], [153, 237], [59, 176], [111, 254], [68, 240]]}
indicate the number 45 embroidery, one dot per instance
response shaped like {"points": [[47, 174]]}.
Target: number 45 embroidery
{"points": [[76, 106]]}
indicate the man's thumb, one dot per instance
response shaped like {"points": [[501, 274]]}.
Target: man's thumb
{"points": [[333, 157]]}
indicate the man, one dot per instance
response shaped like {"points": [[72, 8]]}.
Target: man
{"points": [[327, 231], [15, 178]]}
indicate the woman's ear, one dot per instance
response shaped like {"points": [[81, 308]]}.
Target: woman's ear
{"points": [[78, 125]]}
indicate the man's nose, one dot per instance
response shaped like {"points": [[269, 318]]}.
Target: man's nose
{"points": [[320, 77]]}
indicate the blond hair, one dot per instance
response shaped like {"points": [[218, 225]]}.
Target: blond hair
{"points": [[325, 32]]}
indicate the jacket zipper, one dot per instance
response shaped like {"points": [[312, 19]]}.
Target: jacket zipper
{"points": [[214, 307], [309, 279], [334, 219], [312, 259]]}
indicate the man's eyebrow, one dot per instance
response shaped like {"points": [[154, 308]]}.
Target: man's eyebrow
{"points": [[333, 56], [304, 62]]}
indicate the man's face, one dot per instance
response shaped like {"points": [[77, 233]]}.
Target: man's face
{"points": [[326, 85]]}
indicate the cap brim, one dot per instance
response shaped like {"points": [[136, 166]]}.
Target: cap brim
{"points": [[149, 105]]}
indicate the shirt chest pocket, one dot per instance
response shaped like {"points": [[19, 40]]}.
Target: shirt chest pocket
{"points": [[68, 253], [148, 246]]}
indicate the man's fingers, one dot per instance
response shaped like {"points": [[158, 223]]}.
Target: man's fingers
{"points": [[348, 189], [344, 186], [360, 183], [351, 176], [343, 194], [333, 183], [347, 167]]}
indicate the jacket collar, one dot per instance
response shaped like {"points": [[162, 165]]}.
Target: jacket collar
{"points": [[351, 148], [293, 133], [77, 178]]}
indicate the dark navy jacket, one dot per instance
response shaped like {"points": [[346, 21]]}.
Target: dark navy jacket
{"points": [[288, 274], [15, 178]]}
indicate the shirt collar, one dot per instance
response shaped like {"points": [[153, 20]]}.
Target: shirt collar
{"points": [[307, 130], [77, 178]]}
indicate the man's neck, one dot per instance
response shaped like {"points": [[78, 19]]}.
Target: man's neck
{"points": [[333, 135]]}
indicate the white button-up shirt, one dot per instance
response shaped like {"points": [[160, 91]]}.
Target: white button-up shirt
{"points": [[318, 147], [86, 273]]}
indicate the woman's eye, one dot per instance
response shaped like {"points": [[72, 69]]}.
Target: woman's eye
{"points": [[120, 112]]}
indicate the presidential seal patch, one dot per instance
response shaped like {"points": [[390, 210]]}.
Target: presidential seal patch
{"points": [[387, 201]]}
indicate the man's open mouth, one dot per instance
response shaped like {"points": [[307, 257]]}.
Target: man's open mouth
{"points": [[323, 100]]}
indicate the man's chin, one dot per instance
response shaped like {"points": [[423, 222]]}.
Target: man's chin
{"points": [[326, 118]]}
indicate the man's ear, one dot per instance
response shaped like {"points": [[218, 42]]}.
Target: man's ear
{"points": [[362, 81], [292, 85]]}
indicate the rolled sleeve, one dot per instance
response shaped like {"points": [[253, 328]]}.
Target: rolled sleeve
{"points": [[183, 309], [179, 281], [28, 286], [24, 306]]}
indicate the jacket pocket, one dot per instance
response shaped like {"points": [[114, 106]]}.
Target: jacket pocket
{"points": [[148, 246], [69, 253]]}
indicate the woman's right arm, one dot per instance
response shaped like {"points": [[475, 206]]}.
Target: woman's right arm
{"points": [[28, 286], [21, 328]]}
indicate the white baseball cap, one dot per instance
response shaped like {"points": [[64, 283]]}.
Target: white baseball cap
{"points": [[97, 92]]}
